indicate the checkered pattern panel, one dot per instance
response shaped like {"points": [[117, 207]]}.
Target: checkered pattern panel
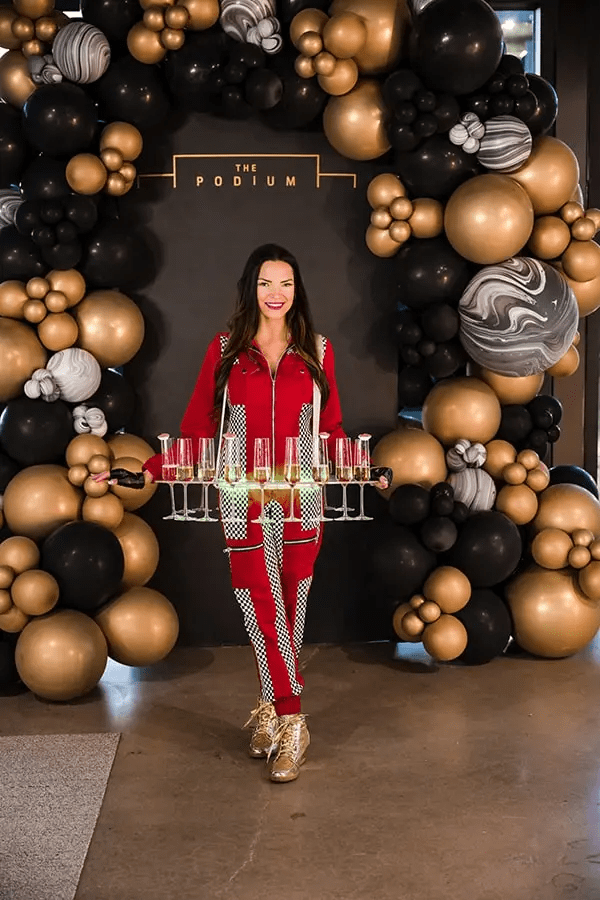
{"points": [[301, 602], [242, 595], [234, 500]]}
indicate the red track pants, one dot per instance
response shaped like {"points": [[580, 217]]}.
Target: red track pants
{"points": [[271, 574]]}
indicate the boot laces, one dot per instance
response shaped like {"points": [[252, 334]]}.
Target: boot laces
{"points": [[262, 716], [287, 736]]}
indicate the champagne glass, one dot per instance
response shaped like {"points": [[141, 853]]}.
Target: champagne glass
{"points": [[185, 468], [206, 471], [362, 469], [262, 469], [232, 469], [321, 467], [291, 471], [169, 466], [343, 471]]}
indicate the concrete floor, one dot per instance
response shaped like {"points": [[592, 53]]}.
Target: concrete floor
{"points": [[424, 781]]}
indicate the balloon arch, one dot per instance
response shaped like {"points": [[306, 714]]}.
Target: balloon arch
{"points": [[495, 262]]}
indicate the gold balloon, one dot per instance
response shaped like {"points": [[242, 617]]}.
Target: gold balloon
{"points": [[145, 45], [381, 217], [400, 231], [23, 28], [414, 456], [55, 301], [86, 174], [20, 354], [401, 208], [85, 446], [569, 507], [344, 35], [140, 626], [380, 242], [397, 618], [128, 171], [427, 217], [595, 549], [341, 80], [583, 229], [518, 502], [581, 260], [32, 48], [130, 445], [461, 408], [449, 588], [58, 331], [78, 474], [429, 612], [176, 17], [499, 455], [37, 288], [94, 488], [124, 137], [416, 601], [539, 479], [39, 499], [304, 66], [488, 218], [62, 655], [112, 159], [307, 20], [35, 592], [46, 29], [111, 327], [386, 22], [19, 553], [587, 294], [509, 390], [154, 18], [550, 237], [551, 547], [35, 311], [445, 639], [13, 297], [354, 124], [412, 625], [514, 473], [100, 462], [202, 13], [5, 601], [130, 497], [529, 459], [588, 579], [582, 537], [566, 365], [69, 282], [13, 620], [593, 214], [579, 557], [7, 39], [140, 550], [384, 189], [552, 616], [116, 185], [172, 38], [310, 44], [16, 85], [33, 9], [571, 211], [106, 511], [7, 576], [549, 176]]}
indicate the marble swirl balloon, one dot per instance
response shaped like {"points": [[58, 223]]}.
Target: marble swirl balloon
{"points": [[505, 145], [473, 487], [10, 201], [518, 317], [239, 16], [81, 52], [76, 373]]}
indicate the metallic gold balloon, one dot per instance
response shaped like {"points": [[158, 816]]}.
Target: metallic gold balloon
{"points": [[383, 190], [202, 13], [106, 511], [69, 282], [35, 311], [62, 655], [55, 301], [19, 553], [412, 625], [112, 159], [78, 474], [130, 445], [344, 35], [94, 488], [511, 390], [567, 364], [33, 9], [23, 28], [571, 212], [36, 288], [514, 473], [429, 612], [116, 185], [445, 639], [172, 38], [581, 260], [528, 458], [86, 174], [427, 217], [488, 218], [583, 229], [381, 217], [449, 588], [39, 499], [16, 85], [46, 29], [518, 502], [461, 408], [7, 576], [401, 208], [124, 137], [582, 537], [111, 327], [593, 214], [304, 66], [397, 618], [499, 455], [14, 620], [549, 176], [154, 18], [13, 297], [130, 497], [579, 557], [33, 48], [7, 39], [386, 22], [595, 549], [145, 45], [140, 550], [98, 463], [588, 579], [140, 626], [307, 20], [587, 293], [380, 242], [551, 547], [85, 447], [552, 616], [569, 507], [342, 79], [5, 601], [35, 592], [58, 331], [20, 354], [129, 172], [310, 43], [539, 479], [414, 456], [400, 231], [354, 124], [550, 237], [416, 601], [325, 64], [176, 17]]}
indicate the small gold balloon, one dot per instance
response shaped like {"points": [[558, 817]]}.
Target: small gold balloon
{"points": [[58, 331], [14, 620], [401, 208], [86, 174], [98, 463], [172, 38], [593, 214], [582, 537], [202, 13], [7, 576], [567, 365], [106, 511], [342, 79], [387, 25], [304, 66], [538, 479], [595, 549], [145, 45], [154, 18], [16, 85], [95, 488], [35, 311], [7, 38], [78, 474], [449, 588], [380, 242], [140, 549], [307, 20], [132, 498], [384, 189], [324, 63], [577, 339], [56, 301], [344, 35], [5, 601], [33, 48], [581, 260], [23, 28], [83, 447], [19, 554], [69, 282], [381, 218], [46, 29], [583, 229], [579, 557], [400, 231], [514, 473], [20, 355], [140, 626], [458, 408], [33, 9], [399, 614], [445, 639], [176, 17], [35, 592], [569, 507], [111, 327], [588, 579], [354, 124], [39, 499], [518, 502], [124, 137], [37, 288], [414, 456], [416, 601], [427, 218], [429, 612], [112, 158], [571, 212], [412, 624], [551, 547], [13, 297], [529, 459], [550, 237], [587, 293], [310, 44], [116, 185], [550, 175], [128, 171]]}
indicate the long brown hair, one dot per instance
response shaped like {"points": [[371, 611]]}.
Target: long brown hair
{"points": [[244, 322]]}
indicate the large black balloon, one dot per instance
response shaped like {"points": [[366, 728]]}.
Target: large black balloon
{"points": [[19, 257], [34, 432], [488, 626], [301, 102], [430, 271], [8, 470], [401, 563], [409, 504], [545, 411], [13, 146], [263, 89], [488, 548], [113, 17], [44, 179], [515, 423], [60, 119], [573, 475], [438, 533], [446, 359], [81, 211], [287, 9], [87, 562], [456, 45], [62, 256], [194, 72], [440, 322], [116, 256], [436, 168], [413, 386], [134, 92], [116, 398], [546, 108]]}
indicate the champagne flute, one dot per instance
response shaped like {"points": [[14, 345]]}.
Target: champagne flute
{"points": [[232, 470], [343, 471], [291, 471], [262, 469], [362, 469], [185, 468], [321, 467], [206, 471], [169, 466]]}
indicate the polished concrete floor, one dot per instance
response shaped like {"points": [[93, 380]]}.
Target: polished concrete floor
{"points": [[424, 781]]}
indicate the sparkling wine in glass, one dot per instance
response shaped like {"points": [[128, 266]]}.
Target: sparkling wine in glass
{"points": [[362, 468], [184, 459], [206, 471], [320, 468], [343, 470], [291, 471], [262, 469], [169, 466], [232, 469]]}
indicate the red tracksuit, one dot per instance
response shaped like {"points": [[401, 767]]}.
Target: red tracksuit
{"points": [[271, 564]]}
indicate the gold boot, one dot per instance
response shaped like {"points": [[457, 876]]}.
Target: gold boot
{"points": [[293, 740], [265, 722]]}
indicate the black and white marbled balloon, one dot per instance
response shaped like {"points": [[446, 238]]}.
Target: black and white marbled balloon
{"points": [[518, 317], [76, 373], [505, 145], [10, 201], [239, 16], [473, 487], [81, 52]]}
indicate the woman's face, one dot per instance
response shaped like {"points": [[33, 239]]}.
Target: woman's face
{"points": [[275, 289]]}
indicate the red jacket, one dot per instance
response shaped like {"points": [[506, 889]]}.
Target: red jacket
{"points": [[260, 404]]}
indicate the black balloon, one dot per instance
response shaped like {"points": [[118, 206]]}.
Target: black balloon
{"points": [[19, 257], [62, 255], [113, 17], [573, 475], [447, 359], [430, 271], [545, 411], [488, 548], [440, 322], [399, 87], [409, 504], [510, 65], [413, 386], [134, 92], [287, 9], [436, 168], [402, 137], [301, 102], [194, 71], [116, 255], [13, 146], [446, 112], [488, 624], [87, 562], [60, 119], [44, 179], [27, 217], [8, 470], [401, 563], [456, 45], [264, 89], [81, 211], [546, 108], [438, 533], [34, 432], [515, 423], [116, 398]]}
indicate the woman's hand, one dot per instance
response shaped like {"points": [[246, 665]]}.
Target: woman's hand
{"points": [[382, 475], [123, 477]]}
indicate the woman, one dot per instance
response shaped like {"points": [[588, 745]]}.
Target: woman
{"points": [[259, 379]]}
